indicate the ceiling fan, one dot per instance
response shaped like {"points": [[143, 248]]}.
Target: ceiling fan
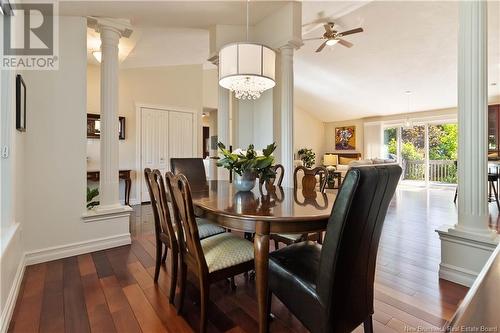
{"points": [[333, 37]]}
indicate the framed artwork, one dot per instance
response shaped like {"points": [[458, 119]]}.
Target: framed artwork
{"points": [[20, 104], [345, 138], [94, 126]]}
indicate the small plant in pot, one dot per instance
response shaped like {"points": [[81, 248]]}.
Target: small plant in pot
{"points": [[307, 156], [248, 165], [91, 194]]}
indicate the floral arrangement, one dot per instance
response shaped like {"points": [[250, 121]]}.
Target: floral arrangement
{"points": [[249, 161], [307, 156]]}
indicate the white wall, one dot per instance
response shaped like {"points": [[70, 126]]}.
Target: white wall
{"points": [[210, 88], [309, 132], [55, 150], [11, 196], [253, 122], [172, 86]]}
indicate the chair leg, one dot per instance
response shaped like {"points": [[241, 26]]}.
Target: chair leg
{"points": [[368, 325], [159, 248], [320, 237], [495, 193], [173, 275], [268, 308], [182, 286], [456, 195], [276, 244], [164, 257], [233, 283], [204, 297]]}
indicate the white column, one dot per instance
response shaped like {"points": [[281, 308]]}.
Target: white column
{"points": [[473, 117], [287, 113], [223, 125], [108, 187], [467, 245]]}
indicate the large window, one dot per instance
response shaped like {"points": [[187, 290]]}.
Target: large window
{"points": [[426, 152]]}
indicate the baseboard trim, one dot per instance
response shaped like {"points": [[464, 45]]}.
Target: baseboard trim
{"points": [[10, 303], [63, 251], [456, 274]]}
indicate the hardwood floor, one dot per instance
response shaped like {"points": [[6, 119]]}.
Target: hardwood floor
{"points": [[113, 290]]}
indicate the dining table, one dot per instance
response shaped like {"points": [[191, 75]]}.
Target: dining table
{"points": [[263, 211]]}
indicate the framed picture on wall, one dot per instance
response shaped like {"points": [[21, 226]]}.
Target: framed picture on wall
{"points": [[20, 104], [345, 138], [94, 126]]}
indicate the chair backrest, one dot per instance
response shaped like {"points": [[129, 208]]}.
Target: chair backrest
{"points": [[349, 252], [309, 179], [192, 168], [187, 229], [159, 205]]}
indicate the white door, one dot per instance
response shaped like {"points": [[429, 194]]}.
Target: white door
{"points": [[154, 143], [182, 135]]}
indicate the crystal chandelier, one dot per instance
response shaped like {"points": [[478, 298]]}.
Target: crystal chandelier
{"points": [[247, 68]]}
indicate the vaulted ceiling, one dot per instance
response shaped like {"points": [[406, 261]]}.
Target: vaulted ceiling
{"points": [[407, 45]]}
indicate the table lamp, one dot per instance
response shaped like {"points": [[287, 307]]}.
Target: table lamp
{"points": [[330, 159]]}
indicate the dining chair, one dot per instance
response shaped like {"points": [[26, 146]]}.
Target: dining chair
{"points": [[329, 287], [192, 168], [309, 184], [278, 179], [211, 259], [164, 228]]}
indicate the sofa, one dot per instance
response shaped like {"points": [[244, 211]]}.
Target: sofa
{"points": [[346, 161]]}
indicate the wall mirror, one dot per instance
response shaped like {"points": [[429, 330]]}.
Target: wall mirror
{"points": [[94, 126]]}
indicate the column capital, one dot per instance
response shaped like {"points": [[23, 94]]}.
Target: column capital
{"points": [[121, 26], [292, 44]]}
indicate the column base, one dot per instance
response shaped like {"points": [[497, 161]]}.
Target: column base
{"points": [[464, 254], [117, 213]]}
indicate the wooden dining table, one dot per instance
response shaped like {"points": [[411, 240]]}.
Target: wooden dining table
{"points": [[263, 211]]}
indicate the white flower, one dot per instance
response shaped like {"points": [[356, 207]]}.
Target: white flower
{"points": [[259, 152], [237, 151]]}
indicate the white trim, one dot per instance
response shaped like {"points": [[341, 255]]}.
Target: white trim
{"points": [[10, 303], [138, 137], [457, 274], [69, 250]]}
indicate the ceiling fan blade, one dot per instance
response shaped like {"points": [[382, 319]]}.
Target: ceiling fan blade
{"points": [[322, 46], [314, 38], [345, 43], [350, 32]]}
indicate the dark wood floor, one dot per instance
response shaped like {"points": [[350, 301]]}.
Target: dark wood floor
{"points": [[113, 290]]}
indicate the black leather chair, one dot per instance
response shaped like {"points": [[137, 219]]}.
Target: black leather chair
{"points": [[329, 287]]}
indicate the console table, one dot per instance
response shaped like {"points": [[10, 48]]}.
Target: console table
{"points": [[123, 174]]}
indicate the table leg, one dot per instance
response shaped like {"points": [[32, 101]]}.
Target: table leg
{"points": [[261, 253], [128, 185]]}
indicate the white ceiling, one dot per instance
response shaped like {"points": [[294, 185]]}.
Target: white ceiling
{"points": [[406, 46]]}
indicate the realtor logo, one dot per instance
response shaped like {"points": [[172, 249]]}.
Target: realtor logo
{"points": [[29, 37]]}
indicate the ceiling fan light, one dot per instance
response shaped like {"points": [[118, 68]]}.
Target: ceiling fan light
{"points": [[331, 42]]}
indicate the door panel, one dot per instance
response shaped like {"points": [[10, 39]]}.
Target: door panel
{"points": [[181, 136], [149, 156]]}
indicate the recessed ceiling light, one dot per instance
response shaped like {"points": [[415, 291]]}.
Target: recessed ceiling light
{"points": [[493, 84], [408, 92]]}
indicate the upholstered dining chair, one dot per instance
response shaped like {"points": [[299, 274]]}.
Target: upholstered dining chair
{"points": [[211, 259], [309, 184], [329, 287], [164, 228]]}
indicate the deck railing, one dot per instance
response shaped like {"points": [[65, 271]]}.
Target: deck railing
{"points": [[441, 171]]}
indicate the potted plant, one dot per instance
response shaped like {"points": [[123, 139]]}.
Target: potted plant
{"points": [[307, 156], [248, 165], [91, 194]]}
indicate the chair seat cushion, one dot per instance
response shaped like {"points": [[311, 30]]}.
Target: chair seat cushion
{"points": [[226, 250], [207, 228]]}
